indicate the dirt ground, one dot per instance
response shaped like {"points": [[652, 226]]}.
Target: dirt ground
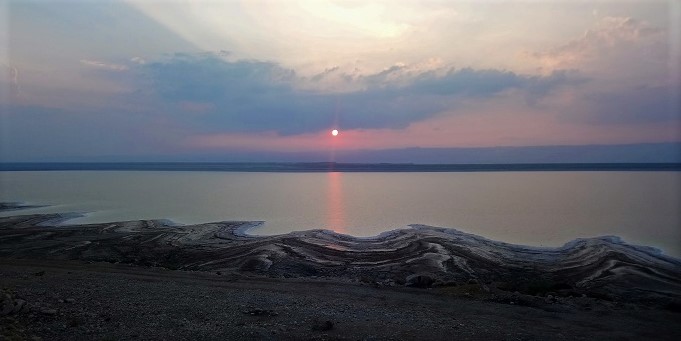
{"points": [[75, 300]]}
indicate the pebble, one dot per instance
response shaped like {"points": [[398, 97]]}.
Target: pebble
{"points": [[260, 312], [6, 305], [19, 306], [549, 299], [49, 311]]}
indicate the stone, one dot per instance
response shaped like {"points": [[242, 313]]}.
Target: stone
{"points": [[48, 311], [18, 306], [6, 304], [261, 312]]}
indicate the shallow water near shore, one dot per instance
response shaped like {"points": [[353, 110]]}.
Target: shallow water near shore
{"points": [[530, 208]]}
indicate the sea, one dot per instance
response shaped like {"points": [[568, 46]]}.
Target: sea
{"points": [[532, 205]]}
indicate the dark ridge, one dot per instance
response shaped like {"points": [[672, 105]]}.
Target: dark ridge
{"points": [[334, 167]]}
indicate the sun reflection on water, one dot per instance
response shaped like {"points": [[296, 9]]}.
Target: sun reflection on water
{"points": [[335, 215]]}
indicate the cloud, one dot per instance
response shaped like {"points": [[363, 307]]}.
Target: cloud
{"points": [[324, 73], [629, 63], [609, 37], [258, 96], [485, 83], [138, 60], [103, 65]]}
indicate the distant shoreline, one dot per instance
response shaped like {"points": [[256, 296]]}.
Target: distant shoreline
{"points": [[303, 167]]}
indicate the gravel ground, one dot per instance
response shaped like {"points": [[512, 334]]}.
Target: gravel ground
{"points": [[72, 300]]}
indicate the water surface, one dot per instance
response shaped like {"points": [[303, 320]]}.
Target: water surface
{"points": [[533, 208]]}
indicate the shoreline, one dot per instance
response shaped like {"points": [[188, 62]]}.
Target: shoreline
{"points": [[248, 225], [146, 279], [421, 256]]}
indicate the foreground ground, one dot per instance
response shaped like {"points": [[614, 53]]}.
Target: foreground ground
{"points": [[76, 300], [151, 280]]}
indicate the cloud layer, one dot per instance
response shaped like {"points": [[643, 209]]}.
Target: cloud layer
{"points": [[94, 79], [258, 96]]}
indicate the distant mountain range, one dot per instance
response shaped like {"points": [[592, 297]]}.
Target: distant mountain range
{"points": [[629, 153], [334, 167], [633, 153]]}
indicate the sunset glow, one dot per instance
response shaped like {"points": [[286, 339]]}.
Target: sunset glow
{"points": [[206, 80], [529, 150]]}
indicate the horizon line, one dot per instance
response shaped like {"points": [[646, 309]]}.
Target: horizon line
{"points": [[330, 166]]}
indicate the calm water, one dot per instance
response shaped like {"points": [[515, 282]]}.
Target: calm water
{"points": [[533, 208]]}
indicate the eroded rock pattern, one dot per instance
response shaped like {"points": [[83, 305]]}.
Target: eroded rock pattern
{"points": [[420, 256]]}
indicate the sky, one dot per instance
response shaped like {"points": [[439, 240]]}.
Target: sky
{"points": [[221, 80]]}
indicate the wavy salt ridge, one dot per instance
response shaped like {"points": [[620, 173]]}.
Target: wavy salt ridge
{"points": [[249, 225], [421, 255]]}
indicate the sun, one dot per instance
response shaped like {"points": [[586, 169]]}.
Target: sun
{"points": [[334, 132]]}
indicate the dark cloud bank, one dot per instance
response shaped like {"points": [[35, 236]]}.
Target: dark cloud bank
{"points": [[253, 96]]}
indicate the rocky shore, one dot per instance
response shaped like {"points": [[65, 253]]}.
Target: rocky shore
{"points": [[217, 281]]}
